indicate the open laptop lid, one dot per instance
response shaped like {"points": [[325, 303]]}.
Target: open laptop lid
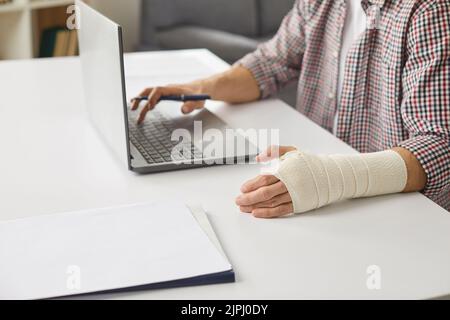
{"points": [[101, 52]]}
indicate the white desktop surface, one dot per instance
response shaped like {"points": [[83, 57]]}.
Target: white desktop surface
{"points": [[52, 160]]}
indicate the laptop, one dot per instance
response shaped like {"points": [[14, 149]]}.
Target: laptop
{"points": [[167, 140]]}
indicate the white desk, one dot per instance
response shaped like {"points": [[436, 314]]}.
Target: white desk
{"points": [[53, 161]]}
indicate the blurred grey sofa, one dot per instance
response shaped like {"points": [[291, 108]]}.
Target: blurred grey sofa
{"points": [[229, 28]]}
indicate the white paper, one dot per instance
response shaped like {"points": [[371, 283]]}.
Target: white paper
{"points": [[97, 250], [202, 219]]}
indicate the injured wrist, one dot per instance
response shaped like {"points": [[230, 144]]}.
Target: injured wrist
{"points": [[314, 181]]}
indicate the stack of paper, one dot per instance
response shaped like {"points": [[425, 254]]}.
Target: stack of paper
{"points": [[137, 246]]}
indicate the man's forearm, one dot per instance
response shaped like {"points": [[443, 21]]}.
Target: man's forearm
{"points": [[417, 178], [236, 85]]}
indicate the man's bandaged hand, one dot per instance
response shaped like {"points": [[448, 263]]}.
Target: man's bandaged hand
{"points": [[314, 181]]}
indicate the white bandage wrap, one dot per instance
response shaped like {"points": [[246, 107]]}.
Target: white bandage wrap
{"points": [[314, 181]]}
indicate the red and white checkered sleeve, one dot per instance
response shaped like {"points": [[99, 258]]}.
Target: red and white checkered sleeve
{"points": [[277, 62], [426, 97]]}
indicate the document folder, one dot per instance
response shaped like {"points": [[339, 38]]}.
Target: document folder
{"points": [[138, 247]]}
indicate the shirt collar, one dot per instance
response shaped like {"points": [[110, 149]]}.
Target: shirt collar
{"points": [[369, 3], [379, 3]]}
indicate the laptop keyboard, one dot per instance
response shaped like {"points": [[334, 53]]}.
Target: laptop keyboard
{"points": [[153, 140]]}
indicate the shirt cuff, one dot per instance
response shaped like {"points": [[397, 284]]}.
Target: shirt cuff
{"points": [[433, 153], [265, 82]]}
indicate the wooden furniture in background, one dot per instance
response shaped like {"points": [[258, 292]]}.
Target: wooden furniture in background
{"points": [[22, 23]]}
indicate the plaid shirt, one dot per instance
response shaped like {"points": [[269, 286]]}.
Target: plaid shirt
{"points": [[396, 89]]}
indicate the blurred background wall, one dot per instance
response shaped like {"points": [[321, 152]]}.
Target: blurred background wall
{"points": [[126, 13]]}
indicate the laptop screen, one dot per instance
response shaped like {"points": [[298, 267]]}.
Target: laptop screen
{"points": [[101, 52]]}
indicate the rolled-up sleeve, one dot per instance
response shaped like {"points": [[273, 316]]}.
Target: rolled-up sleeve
{"points": [[278, 61], [426, 98]]}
